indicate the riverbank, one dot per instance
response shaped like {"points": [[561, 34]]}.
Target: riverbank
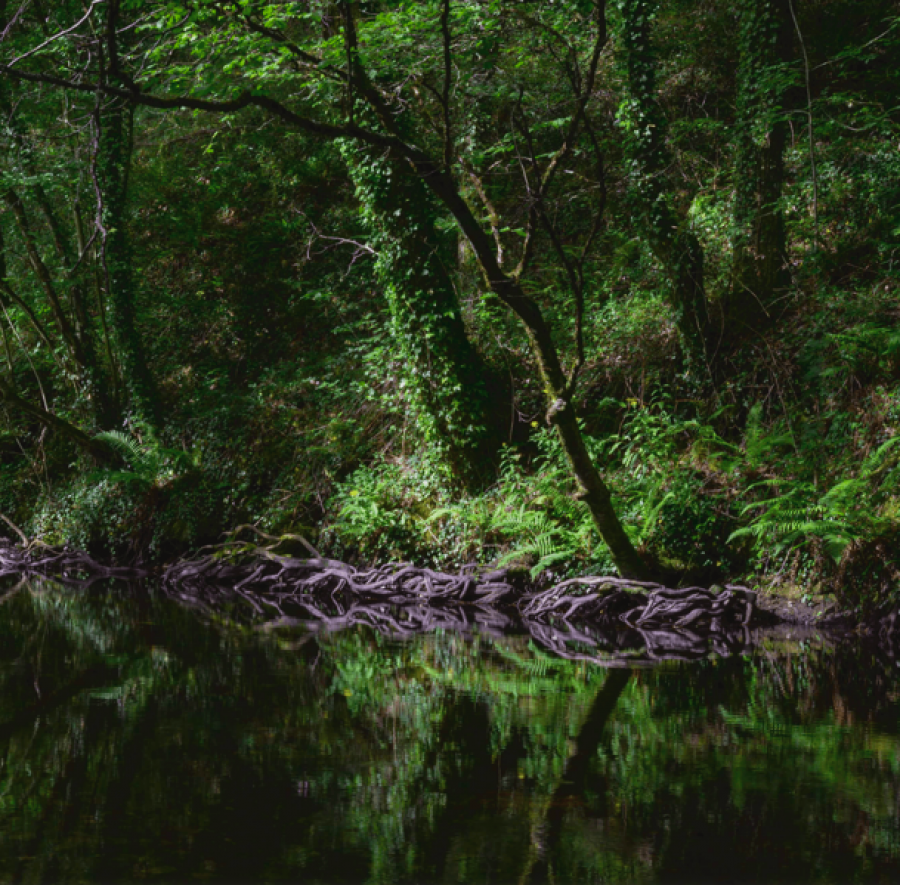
{"points": [[608, 620]]}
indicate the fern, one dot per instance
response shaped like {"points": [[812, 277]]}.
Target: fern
{"points": [[845, 512], [150, 463], [129, 448]]}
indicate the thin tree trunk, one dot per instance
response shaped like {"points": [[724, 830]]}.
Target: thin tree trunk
{"points": [[44, 276]]}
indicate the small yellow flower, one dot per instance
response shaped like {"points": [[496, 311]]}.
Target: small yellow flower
{"points": [[535, 424], [631, 402], [354, 493]]}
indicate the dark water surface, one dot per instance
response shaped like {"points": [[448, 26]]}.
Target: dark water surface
{"points": [[141, 743]]}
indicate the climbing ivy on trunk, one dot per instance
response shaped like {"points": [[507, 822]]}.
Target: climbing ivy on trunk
{"points": [[443, 372], [674, 245], [114, 122], [760, 137]]}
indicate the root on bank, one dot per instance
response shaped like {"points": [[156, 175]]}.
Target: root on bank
{"points": [[607, 620]]}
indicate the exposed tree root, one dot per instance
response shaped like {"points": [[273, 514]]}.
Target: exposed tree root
{"points": [[644, 605], [606, 620], [593, 618], [63, 565]]}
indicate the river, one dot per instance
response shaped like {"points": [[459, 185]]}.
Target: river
{"points": [[143, 741]]}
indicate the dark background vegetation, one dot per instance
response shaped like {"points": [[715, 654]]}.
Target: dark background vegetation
{"points": [[215, 316]]}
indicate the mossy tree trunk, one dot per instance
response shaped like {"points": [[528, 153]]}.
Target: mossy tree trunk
{"points": [[676, 247], [448, 379], [114, 123], [759, 261]]}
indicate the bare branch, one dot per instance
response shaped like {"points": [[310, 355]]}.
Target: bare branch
{"points": [[582, 99], [13, 21], [57, 36]]}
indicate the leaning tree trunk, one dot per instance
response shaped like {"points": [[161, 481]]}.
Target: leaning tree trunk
{"points": [[88, 444], [547, 825], [557, 389], [759, 269], [439, 180], [448, 378], [676, 248]]}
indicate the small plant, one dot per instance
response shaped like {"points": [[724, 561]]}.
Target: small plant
{"points": [[380, 511]]}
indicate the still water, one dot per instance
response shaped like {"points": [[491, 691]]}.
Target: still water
{"points": [[142, 742]]}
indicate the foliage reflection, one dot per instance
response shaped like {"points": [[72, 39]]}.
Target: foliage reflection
{"points": [[140, 742]]}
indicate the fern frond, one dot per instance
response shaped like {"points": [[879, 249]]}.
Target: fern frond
{"points": [[546, 561], [126, 446], [875, 462]]}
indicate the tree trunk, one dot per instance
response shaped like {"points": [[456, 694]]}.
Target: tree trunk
{"points": [[114, 123], [676, 248], [759, 269], [595, 494]]}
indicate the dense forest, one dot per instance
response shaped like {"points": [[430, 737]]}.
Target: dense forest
{"points": [[572, 285]]}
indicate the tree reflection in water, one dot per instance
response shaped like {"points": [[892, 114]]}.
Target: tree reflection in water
{"points": [[140, 741]]}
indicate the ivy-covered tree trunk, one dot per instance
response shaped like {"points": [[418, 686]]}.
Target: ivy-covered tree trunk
{"points": [[761, 134], [447, 377], [675, 247], [114, 124]]}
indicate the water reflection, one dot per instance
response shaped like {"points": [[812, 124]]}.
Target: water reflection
{"points": [[140, 742]]}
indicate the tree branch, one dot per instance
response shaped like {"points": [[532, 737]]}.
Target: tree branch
{"points": [[448, 73], [90, 445]]}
